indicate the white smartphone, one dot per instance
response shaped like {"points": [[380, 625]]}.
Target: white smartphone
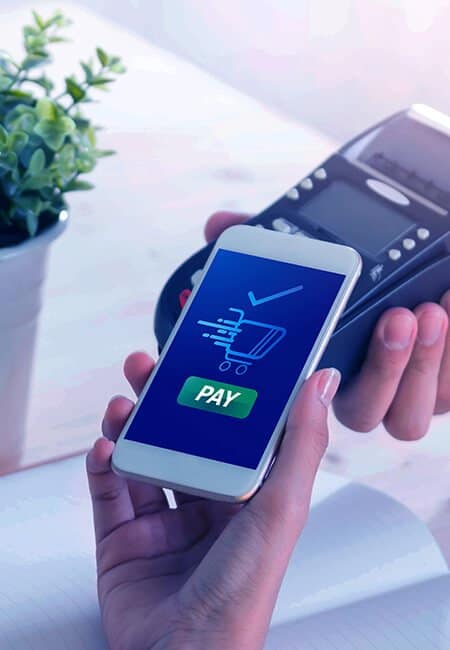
{"points": [[210, 416]]}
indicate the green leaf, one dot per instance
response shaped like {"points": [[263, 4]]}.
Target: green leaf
{"points": [[58, 39], [48, 194], [29, 30], [3, 136], [59, 20], [66, 124], [15, 177], [85, 162], [26, 122], [88, 73], [45, 83], [104, 153], [15, 117], [28, 202], [54, 132], [78, 186], [31, 203], [37, 162], [8, 160], [101, 86], [35, 43], [38, 20], [81, 123], [90, 133], [5, 83], [67, 154], [34, 142], [101, 81], [50, 133], [17, 141], [64, 164], [32, 221], [9, 184], [46, 109], [38, 182], [102, 56], [7, 64], [14, 95], [34, 60], [118, 68], [75, 90]]}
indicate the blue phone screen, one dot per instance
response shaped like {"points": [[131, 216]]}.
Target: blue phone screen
{"points": [[229, 371]]}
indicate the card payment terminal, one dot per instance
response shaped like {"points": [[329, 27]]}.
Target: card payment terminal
{"points": [[387, 194]]}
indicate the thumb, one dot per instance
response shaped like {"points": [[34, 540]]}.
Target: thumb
{"points": [[285, 497], [247, 563]]}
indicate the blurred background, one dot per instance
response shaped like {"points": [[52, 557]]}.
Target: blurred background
{"points": [[336, 65]]}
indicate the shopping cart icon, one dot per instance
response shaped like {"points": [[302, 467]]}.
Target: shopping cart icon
{"points": [[245, 341]]}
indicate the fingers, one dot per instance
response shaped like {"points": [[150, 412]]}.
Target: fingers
{"points": [[264, 531], [220, 221], [286, 494], [116, 414], [111, 501], [146, 498], [443, 392], [410, 413], [363, 404], [137, 368]]}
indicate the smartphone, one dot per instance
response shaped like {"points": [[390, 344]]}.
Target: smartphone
{"points": [[211, 415]]}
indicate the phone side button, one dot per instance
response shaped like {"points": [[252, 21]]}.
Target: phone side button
{"points": [[269, 469]]}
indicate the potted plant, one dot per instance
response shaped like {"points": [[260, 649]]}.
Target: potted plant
{"points": [[47, 145]]}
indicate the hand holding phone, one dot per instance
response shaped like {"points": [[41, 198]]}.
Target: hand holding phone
{"points": [[209, 419], [188, 574]]}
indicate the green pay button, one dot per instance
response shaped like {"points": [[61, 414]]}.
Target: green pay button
{"points": [[217, 397]]}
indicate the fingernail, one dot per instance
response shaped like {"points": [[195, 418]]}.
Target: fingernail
{"points": [[114, 398], [398, 332], [328, 384], [430, 328]]}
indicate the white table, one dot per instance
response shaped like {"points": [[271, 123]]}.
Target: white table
{"points": [[187, 145]]}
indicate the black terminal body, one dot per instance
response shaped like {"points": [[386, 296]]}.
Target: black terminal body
{"points": [[387, 194]]}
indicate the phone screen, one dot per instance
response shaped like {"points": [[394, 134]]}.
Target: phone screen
{"points": [[233, 363]]}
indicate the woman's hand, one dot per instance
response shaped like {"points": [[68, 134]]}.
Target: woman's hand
{"points": [[206, 574], [406, 376]]}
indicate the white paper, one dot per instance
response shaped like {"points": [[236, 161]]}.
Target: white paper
{"points": [[413, 618], [47, 581], [357, 543]]}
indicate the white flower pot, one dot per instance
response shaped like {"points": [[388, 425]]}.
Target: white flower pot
{"points": [[22, 273]]}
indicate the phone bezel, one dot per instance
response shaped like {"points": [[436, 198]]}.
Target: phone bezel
{"points": [[212, 478]]}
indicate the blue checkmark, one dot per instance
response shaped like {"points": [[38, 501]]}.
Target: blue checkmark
{"points": [[259, 301]]}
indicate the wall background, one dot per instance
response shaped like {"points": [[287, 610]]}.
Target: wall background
{"points": [[336, 64]]}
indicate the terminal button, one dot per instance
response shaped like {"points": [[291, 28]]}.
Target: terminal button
{"points": [[409, 244], [307, 184], [283, 225], [394, 254], [423, 233], [292, 194], [320, 174]]}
